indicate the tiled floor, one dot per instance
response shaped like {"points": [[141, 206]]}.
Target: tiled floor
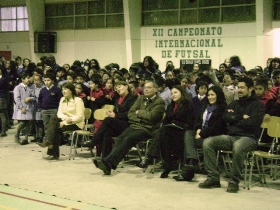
{"points": [[23, 168]]}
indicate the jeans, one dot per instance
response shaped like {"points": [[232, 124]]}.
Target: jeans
{"points": [[239, 145]]}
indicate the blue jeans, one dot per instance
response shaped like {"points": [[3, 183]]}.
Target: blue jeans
{"points": [[239, 145]]}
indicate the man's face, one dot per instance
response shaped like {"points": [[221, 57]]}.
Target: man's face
{"points": [[243, 90], [48, 82], [275, 65], [227, 80], [149, 89]]}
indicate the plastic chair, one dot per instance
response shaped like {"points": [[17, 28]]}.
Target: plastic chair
{"points": [[273, 130], [75, 134], [108, 107]]}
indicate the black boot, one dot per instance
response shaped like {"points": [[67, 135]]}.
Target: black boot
{"points": [[145, 162], [88, 144]]}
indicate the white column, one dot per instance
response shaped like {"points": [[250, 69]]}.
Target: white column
{"points": [[132, 21], [36, 21], [264, 36]]}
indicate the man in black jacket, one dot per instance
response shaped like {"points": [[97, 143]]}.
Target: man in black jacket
{"points": [[243, 118]]}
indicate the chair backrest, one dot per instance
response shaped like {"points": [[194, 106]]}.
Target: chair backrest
{"points": [[265, 124], [273, 129], [100, 114], [108, 107], [87, 113]]}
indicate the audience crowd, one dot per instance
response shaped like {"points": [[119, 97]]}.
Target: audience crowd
{"points": [[181, 109]]}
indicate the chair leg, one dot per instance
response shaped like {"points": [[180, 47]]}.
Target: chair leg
{"points": [[263, 171], [71, 145]]}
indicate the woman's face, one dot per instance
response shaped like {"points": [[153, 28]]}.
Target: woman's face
{"points": [[78, 89], [66, 66], [175, 94], [146, 62], [212, 97], [275, 65], [67, 93], [222, 68], [169, 75], [109, 84], [122, 90], [7, 65]]}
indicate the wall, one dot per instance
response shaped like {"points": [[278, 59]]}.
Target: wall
{"points": [[226, 39]]}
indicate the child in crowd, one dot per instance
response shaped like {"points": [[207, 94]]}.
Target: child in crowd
{"points": [[200, 99], [134, 88], [81, 77], [80, 92], [48, 100], [96, 98], [71, 77], [105, 76], [24, 106], [60, 76], [39, 125], [108, 91]]}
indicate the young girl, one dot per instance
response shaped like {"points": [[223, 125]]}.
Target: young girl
{"points": [[109, 91], [96, 98], [23, 111], [79, 89]]}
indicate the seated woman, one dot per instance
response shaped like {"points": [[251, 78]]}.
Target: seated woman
{"points": [[168, 139], [115, 122], [209, 123], [70, 117]]}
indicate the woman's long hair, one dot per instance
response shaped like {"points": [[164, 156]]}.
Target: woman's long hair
{"points": [[184, 100], [221, 100]]}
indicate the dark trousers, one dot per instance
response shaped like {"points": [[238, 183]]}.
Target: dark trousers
{"points": [[169, 142], [191, 145], [56, 134], [124, 142], [111, 127]]}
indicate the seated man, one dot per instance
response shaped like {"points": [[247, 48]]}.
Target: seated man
{"points": [[243, 118], [145, 117]]}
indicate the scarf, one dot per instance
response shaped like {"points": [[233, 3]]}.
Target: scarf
{"points": [[209, 110]]}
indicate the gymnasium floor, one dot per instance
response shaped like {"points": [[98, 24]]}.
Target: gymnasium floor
{"points": [[27, 181]]}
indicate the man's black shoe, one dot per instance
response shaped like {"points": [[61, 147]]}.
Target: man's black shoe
{"points": [[104, 166], [208, 184], [233, 187]]}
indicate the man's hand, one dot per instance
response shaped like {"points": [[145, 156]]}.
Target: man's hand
{"points": [[230, 110], [136, 111], [245, 116], [197, 136], [111, 114]]}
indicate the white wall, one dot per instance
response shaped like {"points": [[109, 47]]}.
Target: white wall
{"points": [[236, 39]]}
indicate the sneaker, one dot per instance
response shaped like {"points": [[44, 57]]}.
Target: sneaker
{"points": [[233, 187], [208, 184]]}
